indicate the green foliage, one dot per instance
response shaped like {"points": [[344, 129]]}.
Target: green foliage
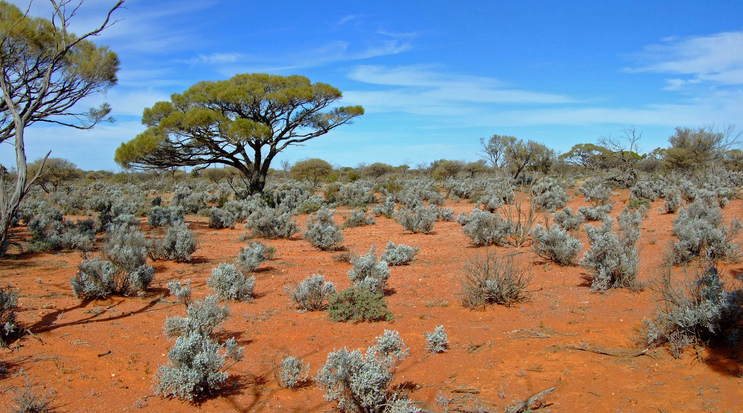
{"points": [[693, 149], [313, 170], [358, 303]]}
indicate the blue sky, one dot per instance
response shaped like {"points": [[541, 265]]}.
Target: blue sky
{"points": [[434, 76]]}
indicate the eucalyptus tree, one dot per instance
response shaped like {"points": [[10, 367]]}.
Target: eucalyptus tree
{"points": [[243, 122], [44, 72]]}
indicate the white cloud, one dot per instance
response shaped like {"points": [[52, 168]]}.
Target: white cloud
{"points": [[716, 58]]}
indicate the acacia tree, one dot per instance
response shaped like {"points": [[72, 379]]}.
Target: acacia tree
{"points": [[44, 72], [243, 122]]}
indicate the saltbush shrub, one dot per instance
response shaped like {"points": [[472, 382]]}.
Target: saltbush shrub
{"points": [[312, 293], [596, 213], [555, 244], [360, 383], [673, 202], [231, 284], [595, 191], [272, 223], [698, 314], [702, 233], [197, 360], [221, 218], [253, 255], [367, 272], [549, 195], [160, 216], [485, 228], [398, 254], [437, 341], [9, 328], [178, 244], [99, 279], [358, 218], [358, 304], [493, 280], [417, 220], [385, 209], [51, 232], [322, 232], [181, 291], [613, 257], [568, 219], [293, 372]]}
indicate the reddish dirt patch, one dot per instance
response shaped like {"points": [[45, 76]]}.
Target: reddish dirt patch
{"points": [[103, 356]]}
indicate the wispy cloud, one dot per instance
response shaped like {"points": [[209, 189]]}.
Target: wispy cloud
{"points": [[348, 19], [715, 58]]}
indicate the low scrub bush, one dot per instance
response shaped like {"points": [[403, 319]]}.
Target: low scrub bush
{"points": [[555, 244], [231, 284], [385, 209], [596, 192], [197, 360], [358, 218], [221, 218], [9, 328], [613, 257], [496, 195], [568, 219], [358, 304], [702, 233], [322, 232], [361, 382], [596, 213], [272, 223], [181, 291], [367, 272], [398, 254], [253, 255], [178, 244], [99, 279], [649, 190], [293, 373], [160, 216], [437, 341], [356, 194], [673, 202], [549, 195], [493, 280], [51, 232], [699, 313], [417, 220], [313, 293], [485, 228]]}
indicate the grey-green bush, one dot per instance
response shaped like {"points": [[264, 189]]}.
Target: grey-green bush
{"points": [[178, 244], [555, 244], [98, 279], [221, 218], [253, 255], [322, 232], [702, 233], [160, 216], [231, 284], [312, 293], [358, 218], [293, 372], [596, 213], [419, 219], [398, 254], [568, 219], [369, 273], [612, 257], [437, 341], [595, 191], [673, 202], [181, 291], [485, 228], [272, 223], [385, 209], [549, 195], [490, 279], [9, 327]]}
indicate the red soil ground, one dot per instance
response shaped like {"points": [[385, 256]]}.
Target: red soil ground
{"points": [[103, 356]]}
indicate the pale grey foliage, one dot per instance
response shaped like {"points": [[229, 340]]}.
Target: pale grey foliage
{"points": [[312, 293], [231, 284], [181, 291], [8, 324], [358, 218], [272, 223], [419, 219], [254, 255], [293, 372], [555, 244], [322, 232], [160, 216], [595, 191], [673, 202], [221, 218], [398, 254], [702, 233], [386, 209], [356, 194], [369, 273], [98, 279], [549, 195], [568, 219], [178, 244], [612, 256], [596, 213], [485, 228], [437, 341]]}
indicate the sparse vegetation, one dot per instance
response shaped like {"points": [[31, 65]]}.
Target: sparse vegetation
{"points": [[231, 284], [490, 279]]}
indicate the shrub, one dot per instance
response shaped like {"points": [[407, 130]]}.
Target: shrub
{"points": [[322, 232], [221, 218], [595, 191], [697, 315], [497, 195], [437, 341], [555, 244], [612, 256], [597, 213], [231, 284], [358, 304], [356, 194], [701, 232], [485, 228], [293, 372], [98, 279], [272, 223], [673, 202], [51, 232], [161, 216], [358, 218], [253, 255], [443, 214], [568, 219], [386, 209], [492, 280], [9, 327], [417, 220], [196, 359], [126, 247], [369, 273], [177, 245], [312, 293], [360, 382], [182, 292], [649, 190], [27, 401], [549, 195], [398, 254]]}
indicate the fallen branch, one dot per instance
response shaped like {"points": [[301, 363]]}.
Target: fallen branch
{"points": [[608, 352], [532, 403]]}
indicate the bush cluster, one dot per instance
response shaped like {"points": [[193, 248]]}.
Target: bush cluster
{"points": [[368, 272], [358, 218], [231, 284], [437, 341], [613, 257], [313, 293], [485, 228], [419, 219], [221, 218], [254, 255], [568, 219], [555, 244], [493, 280], [702, 233], [358, 303], [178, 244], [398, 254], [322, 232], [272, 223]]}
